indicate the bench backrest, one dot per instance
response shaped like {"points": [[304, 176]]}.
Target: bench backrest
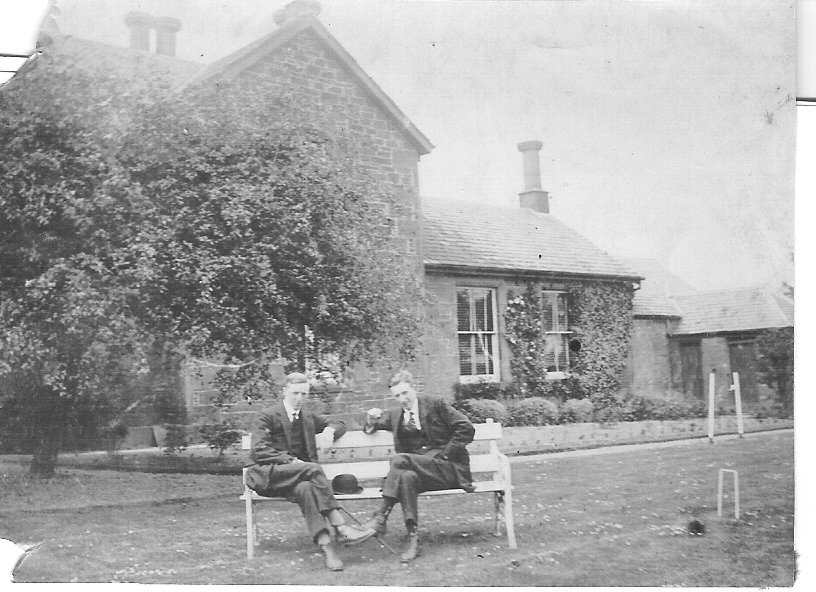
{"points": [[488, 432]]}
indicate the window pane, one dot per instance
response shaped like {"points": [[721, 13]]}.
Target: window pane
{"points": [[547, 305], [479, 301], [465, 355], [463, 310], [489, 311], [561, 313]]}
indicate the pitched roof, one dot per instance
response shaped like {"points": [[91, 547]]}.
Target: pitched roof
{"points": [[470, 235], [653, 297], [733, 310], [245, 57], [134, 66]]}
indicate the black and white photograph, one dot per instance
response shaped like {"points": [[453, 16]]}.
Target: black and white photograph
{"points": [[406, 293]]}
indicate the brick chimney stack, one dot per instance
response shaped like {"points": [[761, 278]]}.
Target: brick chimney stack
{"points": [[533, 196], [166, 29], [297, 9], [139, 24]]}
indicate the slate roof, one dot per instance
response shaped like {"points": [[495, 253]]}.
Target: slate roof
{"points": [[231, 65], [733, 310], [654, 296], [470, 235]]}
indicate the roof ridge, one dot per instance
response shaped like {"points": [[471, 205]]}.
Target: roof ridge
{"points": [[243, 58]]}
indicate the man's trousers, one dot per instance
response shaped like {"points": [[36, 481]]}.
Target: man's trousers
{"points": [[306, 485], [411, 474]]}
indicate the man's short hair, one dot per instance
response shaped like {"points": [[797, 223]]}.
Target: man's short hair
{"points": [[295, 378], [401, 376]]}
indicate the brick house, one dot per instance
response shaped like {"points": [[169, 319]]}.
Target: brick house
{"points": [[472, 258]]}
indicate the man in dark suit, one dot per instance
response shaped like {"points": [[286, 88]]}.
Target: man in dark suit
{"points": [[430, 438], [285, 465]]}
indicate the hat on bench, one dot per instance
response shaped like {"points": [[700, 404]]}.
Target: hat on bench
{"points": [[346, 484]]}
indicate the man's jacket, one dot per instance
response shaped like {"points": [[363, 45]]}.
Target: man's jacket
{"points": [[275, 441], [447, 433]]}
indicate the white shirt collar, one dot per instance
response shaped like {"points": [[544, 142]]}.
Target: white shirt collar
{"points": [[289, 411]]}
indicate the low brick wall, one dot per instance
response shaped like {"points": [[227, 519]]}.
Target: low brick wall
{"points": [[573, 436], [526, 440]]}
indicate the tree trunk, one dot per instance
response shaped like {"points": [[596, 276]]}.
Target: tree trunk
{"points": [[44, 461]]}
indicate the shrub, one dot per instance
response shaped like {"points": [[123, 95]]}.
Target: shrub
{"points": [[175, 438], [769, 410], [220, 436], [663, 409], [533, 411], [575, 411], [479, 410], [484, 390]]}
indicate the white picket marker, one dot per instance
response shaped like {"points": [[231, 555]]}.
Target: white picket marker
{"points": [[738, 403], [720, 492], [711, 385]]}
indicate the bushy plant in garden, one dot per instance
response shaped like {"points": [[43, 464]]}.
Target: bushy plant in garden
{"points": [[533, 411], [575, 411], [221, 435], [479, 410], [484, 390]]}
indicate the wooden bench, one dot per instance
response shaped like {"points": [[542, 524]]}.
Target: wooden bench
{"points": [[493, 463]]}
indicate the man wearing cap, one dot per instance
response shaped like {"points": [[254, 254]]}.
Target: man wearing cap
{"points": [[430, 438], [285, 465]]}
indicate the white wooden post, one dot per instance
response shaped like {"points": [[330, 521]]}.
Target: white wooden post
{"points": [[738, 404], [711, 385]]}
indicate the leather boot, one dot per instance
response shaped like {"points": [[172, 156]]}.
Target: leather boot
{"points": [[377, 523], [330, 557], [412, 550], [352, 535]]}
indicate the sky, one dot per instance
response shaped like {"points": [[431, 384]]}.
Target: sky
{"points": [[668, 126]]}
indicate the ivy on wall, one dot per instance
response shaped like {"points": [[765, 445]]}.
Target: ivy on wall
{"points": [[600, 318]]}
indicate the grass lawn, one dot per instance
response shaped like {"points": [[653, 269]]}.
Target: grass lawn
{"points": [[614, 519]]}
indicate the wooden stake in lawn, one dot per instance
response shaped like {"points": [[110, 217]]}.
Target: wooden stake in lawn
{"points": [[711, 407], [720, 492], [737, 402]]}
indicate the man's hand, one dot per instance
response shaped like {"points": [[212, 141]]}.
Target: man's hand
{"points": [[325, 439]]}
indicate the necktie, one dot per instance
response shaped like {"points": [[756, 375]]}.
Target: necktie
{"points": [[411, 425]]}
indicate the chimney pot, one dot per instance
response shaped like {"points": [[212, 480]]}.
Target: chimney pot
{"points": [[139, 24], [533, 196], [166, 29]]}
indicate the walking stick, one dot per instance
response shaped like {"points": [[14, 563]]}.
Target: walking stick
{"points": [[376, 535]]}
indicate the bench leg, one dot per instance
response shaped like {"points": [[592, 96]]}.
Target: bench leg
{"points": [[508, 518], [251, 530]]}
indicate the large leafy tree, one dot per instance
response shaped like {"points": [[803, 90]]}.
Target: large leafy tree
{"points": [[69, 264], [221, 222]]}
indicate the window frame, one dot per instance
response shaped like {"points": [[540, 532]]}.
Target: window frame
{"points": [[563, 333], [494, 358]]}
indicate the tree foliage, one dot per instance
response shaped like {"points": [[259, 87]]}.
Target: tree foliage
{"points": [[217, 222], [775, 363]]}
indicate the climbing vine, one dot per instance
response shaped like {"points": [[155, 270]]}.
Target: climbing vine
{"points": [[600, 318]]}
